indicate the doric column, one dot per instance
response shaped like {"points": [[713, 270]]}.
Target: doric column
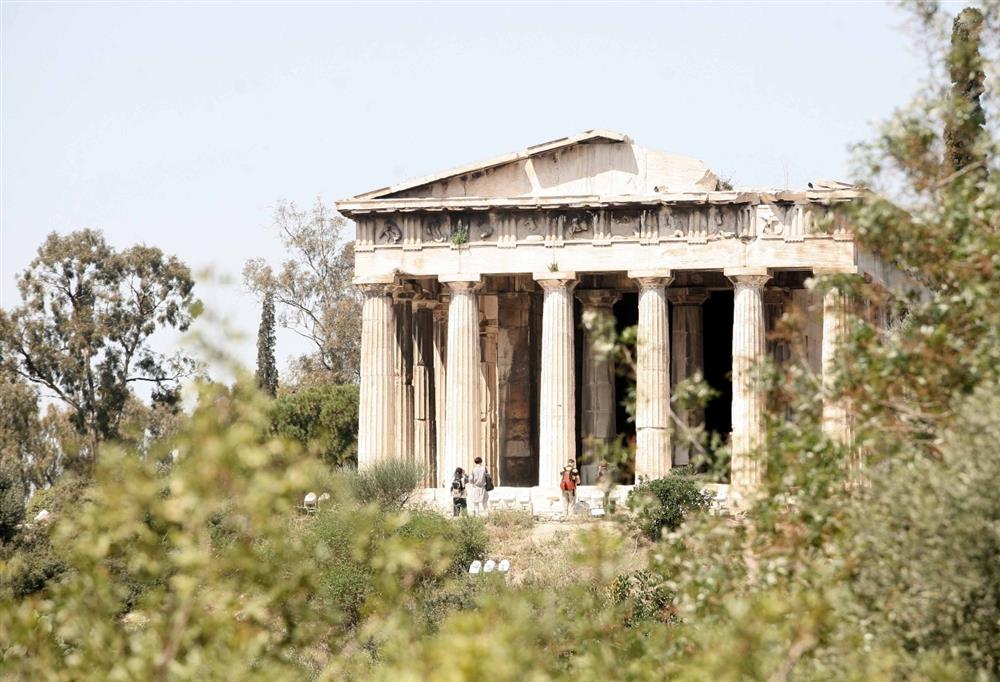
{"points": [[557, 404], [403, 309], [443, 477], [652, 381], [598, 386], [836, 415], [749, 350], [376, 423], [462, 431], [687, 355], [424, 432]]}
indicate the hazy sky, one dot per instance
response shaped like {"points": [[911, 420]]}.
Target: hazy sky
{"points": [[181, 124]]}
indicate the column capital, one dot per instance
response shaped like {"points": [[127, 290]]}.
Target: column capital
{"points": [[598, 298], [748, 277], [687, 295], [652, 279], [460, 283], [374, 289], [555, 279]]}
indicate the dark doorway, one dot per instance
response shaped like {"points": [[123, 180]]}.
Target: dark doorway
{"points": [[626, 312], [718, 325]]}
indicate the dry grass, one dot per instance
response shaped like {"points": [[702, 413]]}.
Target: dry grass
{"points": [[553, 554]]}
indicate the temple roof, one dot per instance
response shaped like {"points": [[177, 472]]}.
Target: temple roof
{"points": [[595, 162], [596, 168]]}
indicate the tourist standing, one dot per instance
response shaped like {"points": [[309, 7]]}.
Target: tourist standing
{"points": [[481, 485], [458, 502], [568, 482]]}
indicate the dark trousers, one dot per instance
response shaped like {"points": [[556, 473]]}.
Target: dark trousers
{"points": [[459, 505]]}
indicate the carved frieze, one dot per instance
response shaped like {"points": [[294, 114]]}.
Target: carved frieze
{"points": [[677, 223], [576, 223], [390, 232], [434, 228], [624, 224], [694, 223], [485, 227], [769, 221]]}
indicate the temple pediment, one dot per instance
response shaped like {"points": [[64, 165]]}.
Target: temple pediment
{"points": [[594, 163]]}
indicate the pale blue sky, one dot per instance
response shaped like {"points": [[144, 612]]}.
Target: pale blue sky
{"points": [[181, 124]]}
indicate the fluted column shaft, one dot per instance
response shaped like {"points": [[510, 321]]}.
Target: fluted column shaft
{"points": [[376, 411], [557, 394], [749, 350], [442, 475], [687, 355], [424, 437], [598, 386], [462, 429], [652, 406], [836, 415]]}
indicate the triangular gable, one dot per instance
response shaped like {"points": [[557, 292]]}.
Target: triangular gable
{"points": [[595, 162]]}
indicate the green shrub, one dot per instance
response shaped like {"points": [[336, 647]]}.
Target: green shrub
{"points": [[465, 537], [30, 563], [323, 418], [644, 596], [664, 502], [471, 542], [347, 579], [388, 483]]}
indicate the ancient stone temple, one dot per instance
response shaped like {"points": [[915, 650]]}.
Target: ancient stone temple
{"points": [[482, 285]]}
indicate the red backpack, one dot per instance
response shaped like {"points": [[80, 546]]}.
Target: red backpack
{"points": [[568, 481]]}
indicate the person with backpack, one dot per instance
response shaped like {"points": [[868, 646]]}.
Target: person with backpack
{"points": [[568, 481], [458, 503], [482, 484]]}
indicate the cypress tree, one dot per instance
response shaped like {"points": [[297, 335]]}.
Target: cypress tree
{"points": [[966, 118], [267, 369]]}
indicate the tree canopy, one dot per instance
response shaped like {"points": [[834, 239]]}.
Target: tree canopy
{"points": [[313, 291], [83, 331]]}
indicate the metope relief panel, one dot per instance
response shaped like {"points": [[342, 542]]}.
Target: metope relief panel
{"points": [[770, 221], [576, 225], [788, 222], [675, 223], [436, 228], [623, 224], [388, 231], [530, 227], [486, 227]]}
